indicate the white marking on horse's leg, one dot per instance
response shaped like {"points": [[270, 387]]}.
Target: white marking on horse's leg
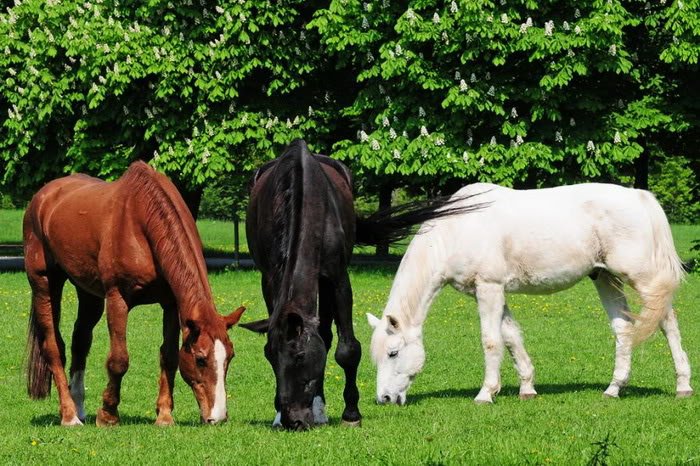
{"points": [[277, 422], [669, 326], [319, 409], [491, 302], [613, 299], [77, 392], [521, 360], [73, 422], [218, 411]]}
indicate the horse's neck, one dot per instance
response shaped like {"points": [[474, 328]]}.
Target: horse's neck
{"points": [[178, 251], [419, 279]]}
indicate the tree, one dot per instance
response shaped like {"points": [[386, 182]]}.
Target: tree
{"points": [[515, 92], [198, 88]]}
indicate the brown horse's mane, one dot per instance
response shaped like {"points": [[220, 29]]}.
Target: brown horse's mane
{"points": [[171, 233]]}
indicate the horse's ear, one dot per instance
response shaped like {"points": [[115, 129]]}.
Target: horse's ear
{"points": [[233, 318], [373, 321], [191, 331], [393, 322], [295, 326], [259, 326]]}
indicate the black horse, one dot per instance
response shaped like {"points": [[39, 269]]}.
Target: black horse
{"points": [[301, 228]]}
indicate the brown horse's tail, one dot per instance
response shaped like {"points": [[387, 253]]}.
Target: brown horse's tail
{"points": [[38, 373]]}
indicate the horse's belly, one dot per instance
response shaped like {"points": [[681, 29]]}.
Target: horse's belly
{"points": [[544, 283]]}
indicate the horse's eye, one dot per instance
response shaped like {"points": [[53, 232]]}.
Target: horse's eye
{"points": [[201, 361], [393, 354]]}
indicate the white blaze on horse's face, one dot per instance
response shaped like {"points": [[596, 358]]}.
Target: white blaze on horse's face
{"points": [[398, 352], [218, 412]]}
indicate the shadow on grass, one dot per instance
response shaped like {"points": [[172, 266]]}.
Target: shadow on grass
{"points": [[545, 389], [267, 424], [124, 420]]}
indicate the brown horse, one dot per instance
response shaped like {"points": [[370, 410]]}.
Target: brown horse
{"points": [[129, 242]]}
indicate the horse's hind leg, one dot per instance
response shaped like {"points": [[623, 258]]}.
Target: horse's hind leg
{"points": [[610, 290], [669, 326], [117, 361], [47, 287], [348, 352], [90, 309], [491, 302], [513, 339]]}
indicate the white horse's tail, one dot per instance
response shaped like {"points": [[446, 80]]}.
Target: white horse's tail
{"points": [[668, 272]]}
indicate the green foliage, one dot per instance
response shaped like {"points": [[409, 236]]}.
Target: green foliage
{"points": [[225, 198], [200, 89], [509, 91], [420, 92], [6, 202], [675, 186]]}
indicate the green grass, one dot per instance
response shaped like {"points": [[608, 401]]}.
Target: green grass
{"points": [[567, 335]]}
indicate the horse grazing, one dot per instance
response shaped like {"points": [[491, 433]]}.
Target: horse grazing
{"points": [[301, 227], [129, 242], [534, 241]]}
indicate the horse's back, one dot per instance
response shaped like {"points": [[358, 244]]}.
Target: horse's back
{"points": [[549, 238]]}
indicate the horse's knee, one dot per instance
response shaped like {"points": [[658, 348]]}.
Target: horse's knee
{"points": [[348, 353], [118, 364], [491, 345]]}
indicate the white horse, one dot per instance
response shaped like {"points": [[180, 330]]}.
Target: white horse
{"points": [[534, 241]]}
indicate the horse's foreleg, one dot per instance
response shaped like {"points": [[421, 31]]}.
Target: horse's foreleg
{"points": [[613, 299], [348, 352], [168, 367], [523, 365], [669, 326], [268, 293], [46, 305], [117, 360], [90, 309], [491, 303], [326, 307]]}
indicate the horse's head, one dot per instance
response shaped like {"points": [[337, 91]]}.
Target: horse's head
{"points": [[397, 350], [297, 355], [204, 359]]}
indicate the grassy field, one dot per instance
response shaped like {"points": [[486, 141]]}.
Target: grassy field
{"points": [[567, 335]]}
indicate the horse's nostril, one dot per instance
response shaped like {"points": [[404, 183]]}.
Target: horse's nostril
{"points": [[298, 425], [386, 398]]}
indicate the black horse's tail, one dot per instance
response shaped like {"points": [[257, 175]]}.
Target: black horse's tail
{"points": [[38, 373], [395, 223]]}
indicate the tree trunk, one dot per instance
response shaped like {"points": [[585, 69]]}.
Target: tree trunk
{"points": [[641, 170], [385, 190]]}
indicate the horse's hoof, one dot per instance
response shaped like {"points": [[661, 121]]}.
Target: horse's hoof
{"points": [[345, 423], [165, 420], [71, 422], [684, 394], [104, 419], [610, 396], [483, 402], [528, 396]]}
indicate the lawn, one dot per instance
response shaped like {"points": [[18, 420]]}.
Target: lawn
{"points": [[567, 335]]}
